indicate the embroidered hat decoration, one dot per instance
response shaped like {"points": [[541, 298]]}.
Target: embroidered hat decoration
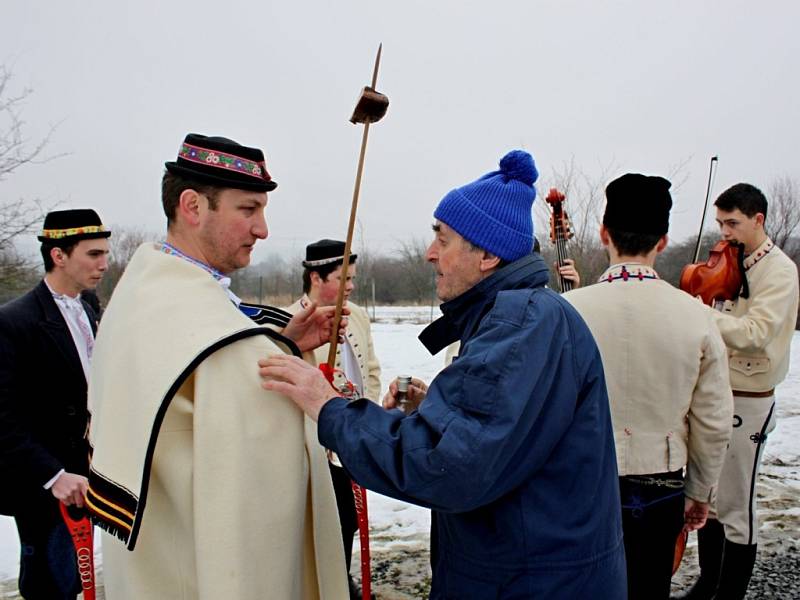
{"points": [[326, 252], [70, 226], [221, 162], [638, 203], [494, 212]]}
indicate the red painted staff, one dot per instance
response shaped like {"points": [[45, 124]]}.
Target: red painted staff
{"points": [[80, 529], [371, 108]]}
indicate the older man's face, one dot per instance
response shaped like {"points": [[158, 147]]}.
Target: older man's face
{"points": [[456, 262], [229, 232]]}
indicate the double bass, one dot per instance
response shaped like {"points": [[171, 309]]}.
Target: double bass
{"points": [[560, 232]]}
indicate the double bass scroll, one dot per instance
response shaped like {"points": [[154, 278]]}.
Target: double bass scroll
{"points": [[560, 232]]}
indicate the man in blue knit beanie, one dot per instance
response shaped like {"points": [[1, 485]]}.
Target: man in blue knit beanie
{"points": [[511, 446]]}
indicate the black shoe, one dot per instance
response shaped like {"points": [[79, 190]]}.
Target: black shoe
{"points": [[737, 567], [355, 591], [710, 543]]}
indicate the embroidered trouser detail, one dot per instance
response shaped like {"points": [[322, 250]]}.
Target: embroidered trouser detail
{"points": [[735, 503]]}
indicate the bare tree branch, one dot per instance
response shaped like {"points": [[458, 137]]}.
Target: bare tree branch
{"points": [[17, 216], [783, 215]]}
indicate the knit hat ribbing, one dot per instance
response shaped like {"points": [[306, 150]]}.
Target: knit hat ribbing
{"points": [[494, 212]]}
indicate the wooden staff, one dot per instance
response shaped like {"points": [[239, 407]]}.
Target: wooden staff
{"points": [[370, 108]]}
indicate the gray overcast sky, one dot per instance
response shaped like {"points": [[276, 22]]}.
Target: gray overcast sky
{"points": [[641, 86]]}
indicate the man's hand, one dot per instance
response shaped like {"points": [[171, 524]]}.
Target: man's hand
{"points": [[569, 271], [295, 378], [70, 489], [694, 515], [416, 394], [311, 327]]}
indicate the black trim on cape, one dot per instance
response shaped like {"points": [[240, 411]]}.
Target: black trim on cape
{"points": [[119, 496], [263, 315]]}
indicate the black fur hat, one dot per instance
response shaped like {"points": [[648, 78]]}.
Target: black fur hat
{"points": [[638, 204]]}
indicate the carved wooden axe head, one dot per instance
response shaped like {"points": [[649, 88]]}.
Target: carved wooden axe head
{"points": [[371, 106]]}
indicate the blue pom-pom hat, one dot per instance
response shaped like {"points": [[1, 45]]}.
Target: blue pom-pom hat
{"points": [[494, 212]]}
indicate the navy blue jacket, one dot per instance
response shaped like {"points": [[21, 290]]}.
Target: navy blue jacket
{"points": [[512, 448]]}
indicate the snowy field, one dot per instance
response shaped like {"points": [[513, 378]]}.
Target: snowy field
{"points": [[399, 532]]}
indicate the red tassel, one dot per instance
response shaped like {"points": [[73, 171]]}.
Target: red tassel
{"points": [[327, 370]]}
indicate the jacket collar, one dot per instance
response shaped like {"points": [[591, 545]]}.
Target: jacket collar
{"points": [[462, 315], [52, 313], [759, 253], [49, 307], [57, 329], [628, 271]]}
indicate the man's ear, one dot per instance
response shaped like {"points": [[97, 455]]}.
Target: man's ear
{"points": [[760, 219], [57, 255], [662, 244], [189, 205], [314, 278], [605, 239], [489, 262]]}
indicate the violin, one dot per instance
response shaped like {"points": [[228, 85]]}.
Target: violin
{"points": [[721, 277], [560, 232]]}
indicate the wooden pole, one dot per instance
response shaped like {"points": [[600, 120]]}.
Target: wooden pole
{"points": [[334, 340]]}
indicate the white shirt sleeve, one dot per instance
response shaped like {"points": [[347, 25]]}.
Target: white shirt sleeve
{"points": [[52, 482]]}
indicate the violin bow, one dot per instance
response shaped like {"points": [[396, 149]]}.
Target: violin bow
{"points": [[711, 172]]}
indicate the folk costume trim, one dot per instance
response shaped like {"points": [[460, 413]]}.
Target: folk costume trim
{"points": [[758, 253], [265, 315], [168, 248], [628, 272], [224, 161], [117, 510], [57, 234], [325, 261], [221, 278]]}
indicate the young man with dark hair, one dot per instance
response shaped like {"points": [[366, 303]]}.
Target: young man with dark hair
{"points": [[758, 331], [237, 492], [667, 377], [512, 448], [46, 343], [357, 372]]}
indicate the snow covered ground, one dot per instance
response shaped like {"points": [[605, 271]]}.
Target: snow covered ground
{"points": [[399, 537]]}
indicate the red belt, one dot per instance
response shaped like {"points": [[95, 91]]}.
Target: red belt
{"points": [[743, 394]]}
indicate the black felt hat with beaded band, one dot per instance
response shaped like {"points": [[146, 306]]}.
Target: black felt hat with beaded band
{"points": [[221, 162], [325, 252], [638, 203], [70, 226]]}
